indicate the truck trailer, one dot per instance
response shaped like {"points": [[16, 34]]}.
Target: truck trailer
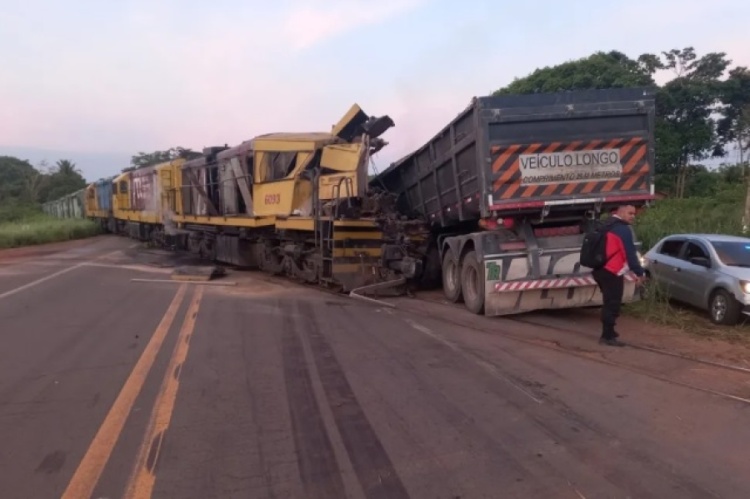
{"points": [[512, 184]]}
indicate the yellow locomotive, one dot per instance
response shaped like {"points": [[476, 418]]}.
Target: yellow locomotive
{"points": [[295, 204]]}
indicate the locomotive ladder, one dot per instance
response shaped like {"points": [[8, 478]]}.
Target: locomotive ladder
{"points": [[324, 227]]}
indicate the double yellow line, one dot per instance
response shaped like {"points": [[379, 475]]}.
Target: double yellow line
{"points": [[142, 479]]}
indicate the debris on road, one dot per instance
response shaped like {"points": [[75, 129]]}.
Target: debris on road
{"points": [[197, 272]]}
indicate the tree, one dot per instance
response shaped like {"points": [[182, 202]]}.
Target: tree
{"points": [[685, 108], [35, 181], [14, 175], [731, 173], [734, 126], [600, 70], [61, 180], [66, 167], [143, 159]]}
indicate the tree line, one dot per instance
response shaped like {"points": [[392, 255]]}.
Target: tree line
{"points": [[21, 183], [701, 111], [24, 187]]}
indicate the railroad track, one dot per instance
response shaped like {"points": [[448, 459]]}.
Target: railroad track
{"points": [[652, 373], [657, 351]]}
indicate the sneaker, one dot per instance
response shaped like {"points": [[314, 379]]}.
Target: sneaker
{"points": [[613, 342]]}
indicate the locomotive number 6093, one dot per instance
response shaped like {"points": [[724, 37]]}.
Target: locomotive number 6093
{"points": [[272, 199]]}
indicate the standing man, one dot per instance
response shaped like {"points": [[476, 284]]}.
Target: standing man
{"points": [[621, 257]]}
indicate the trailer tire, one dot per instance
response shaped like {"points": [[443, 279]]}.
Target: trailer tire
{"points": [[451, 277], [472, 283]]}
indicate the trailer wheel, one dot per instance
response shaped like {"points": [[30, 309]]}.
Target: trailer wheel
{"points": [[472, 283], [451, 277]]}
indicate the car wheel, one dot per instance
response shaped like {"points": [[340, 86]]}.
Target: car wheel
{"points": [[724, 309]]}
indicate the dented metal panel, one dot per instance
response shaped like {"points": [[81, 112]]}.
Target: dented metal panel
{"points": [[194, 200], [143, 196], [229, 198], [236, 176]]}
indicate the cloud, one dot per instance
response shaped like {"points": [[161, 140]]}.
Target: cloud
{"points": [[307, 25]]}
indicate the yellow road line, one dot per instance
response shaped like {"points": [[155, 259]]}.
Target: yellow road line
{"points": [[141, 483], [90, 469]]}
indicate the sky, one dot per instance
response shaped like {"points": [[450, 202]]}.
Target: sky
{"points": [[96, 82]]}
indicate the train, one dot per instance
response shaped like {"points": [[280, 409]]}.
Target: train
{"points": [[493, 208], [293, 204]]}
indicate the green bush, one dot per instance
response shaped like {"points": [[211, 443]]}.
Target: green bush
{"points": [[719, 214], [15, 212]]}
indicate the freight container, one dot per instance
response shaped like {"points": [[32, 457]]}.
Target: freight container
{"points": [[68, 206]]}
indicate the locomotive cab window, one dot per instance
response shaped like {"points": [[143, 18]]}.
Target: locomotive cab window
{"points": [[123, 187], [250, 164], [277, 165]]}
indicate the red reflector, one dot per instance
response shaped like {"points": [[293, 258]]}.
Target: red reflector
{"points": [[557, 231], [488, 223], [509, 223]]}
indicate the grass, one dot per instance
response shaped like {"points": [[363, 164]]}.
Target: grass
{"points": [[656, 308], [721, 214], [38, 228]]}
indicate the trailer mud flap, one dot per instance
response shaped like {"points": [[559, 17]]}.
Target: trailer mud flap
{"points": [[519, 296]]}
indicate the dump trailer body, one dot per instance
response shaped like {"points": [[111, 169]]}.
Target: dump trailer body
{"points": [[517, 153], [511, 185]]}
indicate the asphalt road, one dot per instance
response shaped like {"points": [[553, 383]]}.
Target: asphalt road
{"points": [[112, 388]]}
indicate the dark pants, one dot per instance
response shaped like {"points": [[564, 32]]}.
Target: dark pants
{"points": [[612, 287]]}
